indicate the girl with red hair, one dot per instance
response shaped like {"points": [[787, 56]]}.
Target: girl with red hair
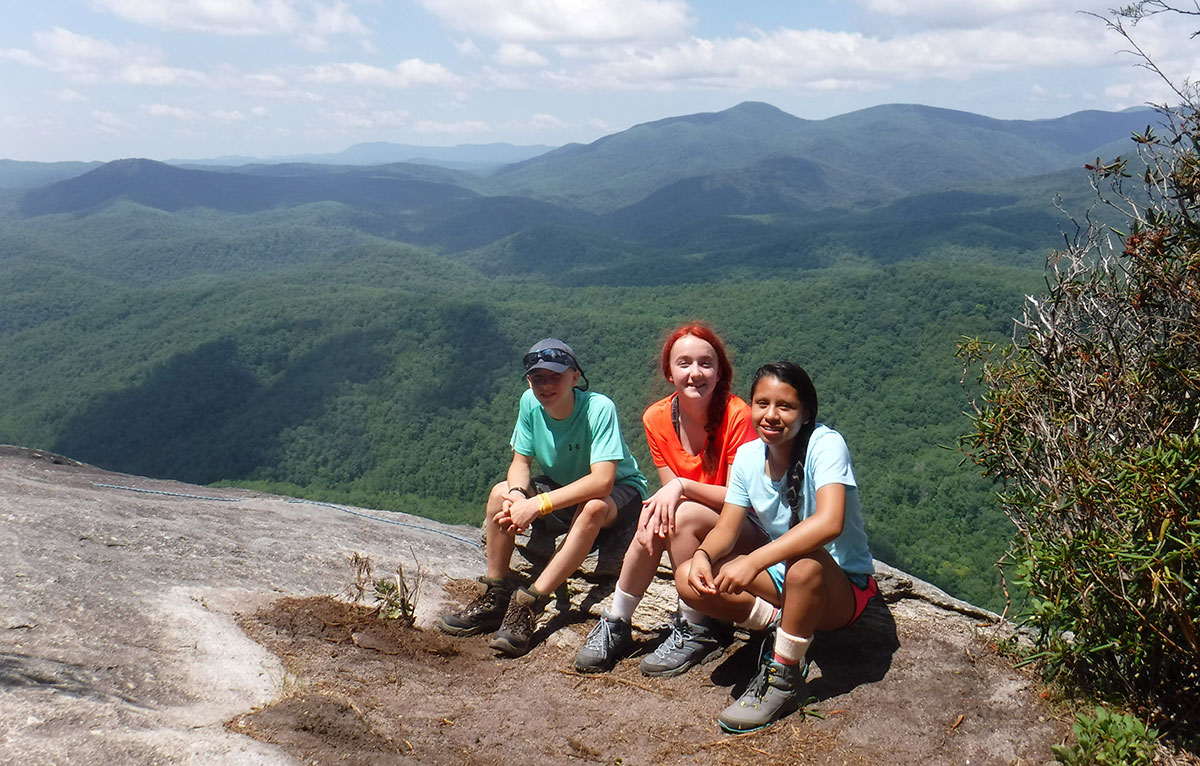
{"points": [[693, 434]]}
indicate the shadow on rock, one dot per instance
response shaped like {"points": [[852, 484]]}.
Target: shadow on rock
{"points": [[848, 658], [856, 655], [24, 670]]}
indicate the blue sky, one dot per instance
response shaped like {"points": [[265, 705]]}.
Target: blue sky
{"points": [[104, 79]]}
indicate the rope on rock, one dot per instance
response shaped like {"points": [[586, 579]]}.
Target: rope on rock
{"points": [[169, 494]]}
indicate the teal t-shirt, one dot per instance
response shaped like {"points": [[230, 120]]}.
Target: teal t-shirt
{"points": [[566, 449], [827, 462]]}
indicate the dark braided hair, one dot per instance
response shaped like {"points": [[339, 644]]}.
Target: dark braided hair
{"points": [[711, 455], [795, 376]]}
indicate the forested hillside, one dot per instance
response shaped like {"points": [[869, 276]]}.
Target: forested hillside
{"points": [[354, 333]]}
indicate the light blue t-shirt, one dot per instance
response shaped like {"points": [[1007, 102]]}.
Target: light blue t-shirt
{"points": [[566, 449], [827, 462]]}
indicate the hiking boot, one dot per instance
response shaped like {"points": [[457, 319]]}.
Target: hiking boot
{"points": [[519, 623], [609, 641], [775, 692], [687, 645], [482, 614]]}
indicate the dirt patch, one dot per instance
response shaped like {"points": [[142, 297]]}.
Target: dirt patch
{"points": [[366, 691]]}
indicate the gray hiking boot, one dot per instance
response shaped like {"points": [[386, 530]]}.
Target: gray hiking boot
{"points": [[519, 623], [610, 640], [775, 692], [687, 645], [482, 614]]}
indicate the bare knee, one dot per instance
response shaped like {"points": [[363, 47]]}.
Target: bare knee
{"points": [[686, 591], [805, 575], [592, 515], [694, 520], [496, 496], [494, 502]]}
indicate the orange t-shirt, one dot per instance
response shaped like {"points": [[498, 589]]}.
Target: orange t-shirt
{"points": [[666, 450]]}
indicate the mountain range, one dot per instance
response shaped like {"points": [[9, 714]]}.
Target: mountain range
{"points": [[747, 177]]}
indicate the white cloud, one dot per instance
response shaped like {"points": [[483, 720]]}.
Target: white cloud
{"points": [[308, 23], [366, 118], [464, 127], [227, 116], [406, 74], [172, 112], [468, 49], [107, 122], [817, 60], [70, 96], [545, 122], [955, 13], [88, 59], [517, 55], [184, 114], [64, 44], [530, 21], [22, 56], [158, 75]]}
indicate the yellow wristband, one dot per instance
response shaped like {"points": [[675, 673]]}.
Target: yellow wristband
{"points": [[547, 504]]}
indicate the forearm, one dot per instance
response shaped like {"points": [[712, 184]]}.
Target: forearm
{"points": [[721, 539], [813, 533], [520, 475], [712, 495]]}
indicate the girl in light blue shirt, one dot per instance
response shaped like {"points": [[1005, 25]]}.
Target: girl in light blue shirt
{"points": [[789, 552]]}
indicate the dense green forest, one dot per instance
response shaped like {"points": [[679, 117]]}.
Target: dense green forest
{"points": [[365, 386], [354, 334]]}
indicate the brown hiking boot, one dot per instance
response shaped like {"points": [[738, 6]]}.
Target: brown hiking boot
{"points": [[520, 621], [482, 614]]}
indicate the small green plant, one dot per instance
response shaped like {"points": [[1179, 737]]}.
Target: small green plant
{"points": [[395, 597], [1108, 738]]}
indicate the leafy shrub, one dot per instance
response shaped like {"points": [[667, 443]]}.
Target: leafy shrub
{"points": [[1109, 739], [1090, 419]]}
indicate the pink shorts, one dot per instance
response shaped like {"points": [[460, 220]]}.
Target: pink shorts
{"points": [[862, 595]]}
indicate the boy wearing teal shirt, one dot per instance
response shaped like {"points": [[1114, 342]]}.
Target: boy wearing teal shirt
{"points": [[591, 480]]}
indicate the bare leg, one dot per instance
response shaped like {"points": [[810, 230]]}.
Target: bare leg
{"points": [[589, 519], [638, 566], [816, 595], [500, 543], [693, 522]]}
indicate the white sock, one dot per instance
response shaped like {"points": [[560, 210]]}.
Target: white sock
{"points": [[791, 649], [761, 615], [623, 604], [691, 614]]}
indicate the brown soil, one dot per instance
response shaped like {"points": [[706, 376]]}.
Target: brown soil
{"points": [[367, 691]]}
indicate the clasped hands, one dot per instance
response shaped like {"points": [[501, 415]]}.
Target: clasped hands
{"points": [[517, 512]]}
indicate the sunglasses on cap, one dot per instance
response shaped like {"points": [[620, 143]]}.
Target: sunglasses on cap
{"points": [[552, 355]]}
